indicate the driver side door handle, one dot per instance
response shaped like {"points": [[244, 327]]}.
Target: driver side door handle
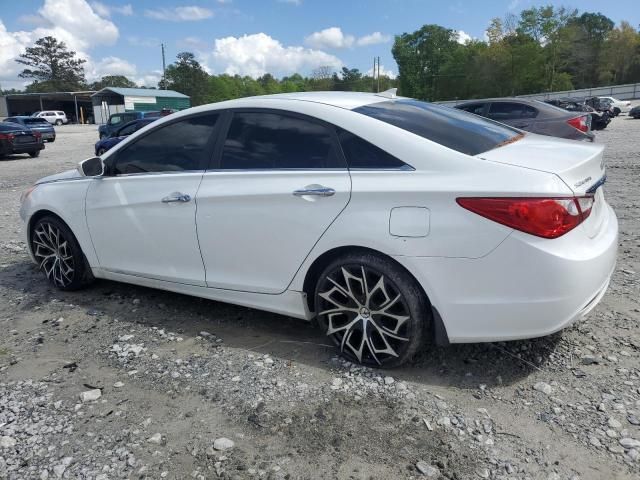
{"points": [[177, 197]]}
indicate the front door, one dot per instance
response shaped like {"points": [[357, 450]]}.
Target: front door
{"points": [[142, 213], [279, 182]]}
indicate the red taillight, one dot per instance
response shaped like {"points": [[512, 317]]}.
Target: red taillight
{"points": [[543, 217], [6, 136], [579, 123], [37, 135]]}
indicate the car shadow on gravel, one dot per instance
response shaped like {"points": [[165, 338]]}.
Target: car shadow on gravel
{"points": [[465, 366]]}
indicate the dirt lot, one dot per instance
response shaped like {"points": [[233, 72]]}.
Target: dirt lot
{"points": [[178, 374]]}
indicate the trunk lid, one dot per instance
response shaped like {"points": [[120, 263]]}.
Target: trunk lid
{"points": [[578, 164]]}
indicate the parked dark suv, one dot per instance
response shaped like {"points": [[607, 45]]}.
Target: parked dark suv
{"points": [[533, 116]]}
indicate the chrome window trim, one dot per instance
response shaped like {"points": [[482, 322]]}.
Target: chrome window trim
{"points": [[179, 172]]}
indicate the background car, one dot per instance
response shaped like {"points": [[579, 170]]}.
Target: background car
{"points": [[619, 106], [16, 138], [533, 116], [599, 120], [104, 144], [54, 117], [117, 121], [600, 105], [35, 123], [635, 112], [390, 220]]}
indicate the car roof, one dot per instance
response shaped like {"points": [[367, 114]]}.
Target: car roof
{"points": [[347, 100]]}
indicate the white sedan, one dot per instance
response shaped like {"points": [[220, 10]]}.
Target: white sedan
{"points": [[619, 106], [391, 221]]}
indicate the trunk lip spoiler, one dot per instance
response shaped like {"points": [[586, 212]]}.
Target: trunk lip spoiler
{"points": [[598, 184]]}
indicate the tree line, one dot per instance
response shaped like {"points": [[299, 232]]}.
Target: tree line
{"points": [[541, 49]]}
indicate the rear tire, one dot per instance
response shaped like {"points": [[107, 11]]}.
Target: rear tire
{"points": [[372, 310], [58, 123], [616, 111], [59, 255], [34, 154]]}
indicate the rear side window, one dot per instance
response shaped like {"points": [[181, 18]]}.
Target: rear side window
{"points": [[476, 108], [446, 126], [31, 121], [176, 147], [362, 154], [265, 140], [510, 111]]}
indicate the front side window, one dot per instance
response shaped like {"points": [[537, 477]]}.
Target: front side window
{"points": [[361, 154], [449, 127], [265, 140], [179, 146], [115, 119]]}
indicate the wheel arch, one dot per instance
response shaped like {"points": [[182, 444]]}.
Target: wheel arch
{"points": [[319, 264]]}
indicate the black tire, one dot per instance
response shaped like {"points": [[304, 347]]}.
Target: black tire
{"points": [[616, 111], [101, 152], [58, 122], [379, 338], [34, 154], [59, 255]]}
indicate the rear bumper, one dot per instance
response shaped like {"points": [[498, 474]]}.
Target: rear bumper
{"points": [[527, 287], [7, 148]]}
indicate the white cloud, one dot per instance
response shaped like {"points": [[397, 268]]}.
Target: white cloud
{"points": [[334, 37], [373, 39], [110, 66], [72, 21], [463, 37], [180, 14], [383, 72], [148, 79], [330, 38], [105, 10], [257, 54]]}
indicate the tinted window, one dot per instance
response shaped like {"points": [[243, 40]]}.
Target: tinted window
{"points": [[259, 140], [35, 121], [127, 129], [510, 110], [449, 127], [476, 108], [175, 147], [362, 154]]}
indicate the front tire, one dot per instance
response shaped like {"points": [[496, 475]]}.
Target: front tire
{"points": [[616, 111], [58, 254], [372, 309], [58, 122]]}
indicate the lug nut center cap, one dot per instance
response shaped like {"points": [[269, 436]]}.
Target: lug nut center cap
{"points": [[365, 312]]}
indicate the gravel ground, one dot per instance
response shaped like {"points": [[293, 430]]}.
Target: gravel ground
{"points": [[118, 381]]}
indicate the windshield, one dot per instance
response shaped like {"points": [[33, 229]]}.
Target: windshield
{"points": [[455, 129]]}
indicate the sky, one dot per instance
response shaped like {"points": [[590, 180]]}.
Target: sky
{"points": [[247, 37]]}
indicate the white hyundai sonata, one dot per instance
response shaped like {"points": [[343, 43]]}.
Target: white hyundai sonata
{"points": [[390, 221]]}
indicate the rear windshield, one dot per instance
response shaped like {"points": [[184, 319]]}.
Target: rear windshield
{"points": [[29, 121], [455, 129]]}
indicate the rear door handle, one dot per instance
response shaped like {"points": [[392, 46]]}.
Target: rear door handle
{"points": [[177, 197], [317, 191]]}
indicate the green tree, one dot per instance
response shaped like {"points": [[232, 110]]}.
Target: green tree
{"points": [[420, 57], [112, 81], [52, 66], [187, 76]]}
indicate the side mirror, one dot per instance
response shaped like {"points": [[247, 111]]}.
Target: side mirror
{"points": [[91, 167]]}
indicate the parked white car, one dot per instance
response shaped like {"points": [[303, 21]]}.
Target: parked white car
{"points": [[619, 106], [54, 117], [390, 220]]}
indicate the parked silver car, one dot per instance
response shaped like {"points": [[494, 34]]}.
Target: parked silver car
{"points": [[533, 116]]}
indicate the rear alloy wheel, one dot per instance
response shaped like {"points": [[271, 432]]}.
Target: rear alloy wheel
{"points": [[34, 154], [58, 254], [373, 311], [58, 122]]}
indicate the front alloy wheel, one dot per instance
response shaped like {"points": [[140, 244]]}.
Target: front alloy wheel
{"points": [[58, 254], [372, 310]]}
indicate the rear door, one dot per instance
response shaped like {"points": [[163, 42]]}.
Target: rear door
{"points": [[278, 182]]}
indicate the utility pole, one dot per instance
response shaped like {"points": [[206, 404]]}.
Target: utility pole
{"points": [[378, 74], [164, 69], [373, 75]]}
